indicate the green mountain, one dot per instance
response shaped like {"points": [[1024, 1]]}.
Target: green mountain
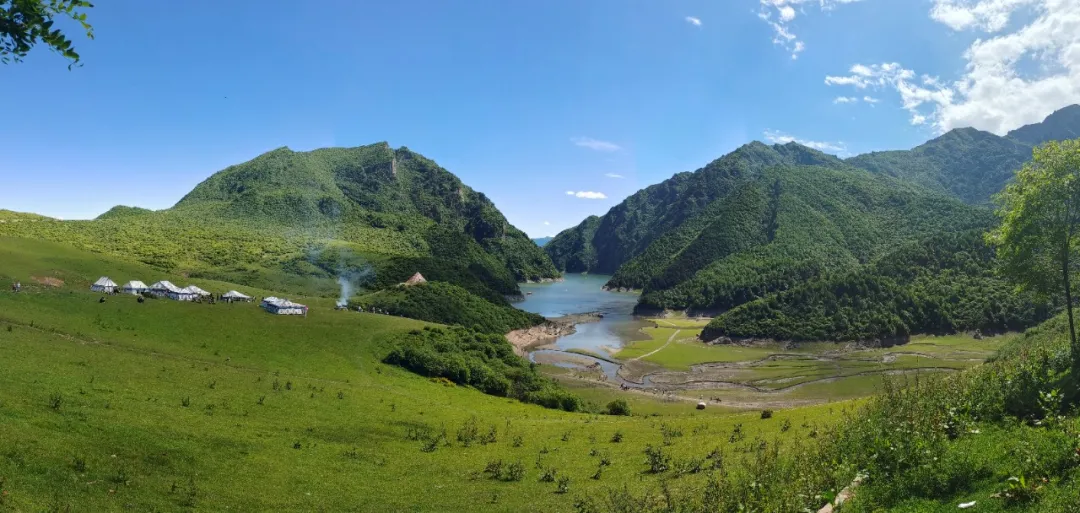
{"points": [[605, 243], [765, 219], [291, 220], [754, 222], [971, 164], [944, 284]]}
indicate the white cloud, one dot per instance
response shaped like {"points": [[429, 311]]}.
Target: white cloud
{"points": [[845, 99], [780, 15], [547, 223], [613, 175], [992, 93], [595, 144], [986, 15], [693, 21], [587, 194], [870, 99], [777, 137]]}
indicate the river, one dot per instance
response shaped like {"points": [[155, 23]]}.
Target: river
{"points": [[581, 294]]}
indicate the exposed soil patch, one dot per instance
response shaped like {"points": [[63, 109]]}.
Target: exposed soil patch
{"points": [[48, 281]]}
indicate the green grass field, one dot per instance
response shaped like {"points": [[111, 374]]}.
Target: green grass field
{"points": [[175, 406]]}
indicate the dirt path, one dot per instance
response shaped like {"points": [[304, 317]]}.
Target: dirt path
{"points": [[661, 348]]}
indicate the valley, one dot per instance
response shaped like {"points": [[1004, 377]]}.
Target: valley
{"points": [[665, 357], [717, 337]]}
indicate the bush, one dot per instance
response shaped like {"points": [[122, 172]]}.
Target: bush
{"points": [[618, 407], [484, 361]]}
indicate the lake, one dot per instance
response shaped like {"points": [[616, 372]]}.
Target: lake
{"points": [[581, 294]]}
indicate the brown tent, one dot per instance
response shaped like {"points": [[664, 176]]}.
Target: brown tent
{"points": [[416, 279]]}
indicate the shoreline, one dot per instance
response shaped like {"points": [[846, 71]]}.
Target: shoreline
{"points": [[541, 335]]}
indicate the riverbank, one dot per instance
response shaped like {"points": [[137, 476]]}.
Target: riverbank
{"points": [[538, 336]]}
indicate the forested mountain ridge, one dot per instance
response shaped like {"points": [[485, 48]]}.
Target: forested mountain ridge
{"points": [[971, 164], [784, 227], [603, 244], [757, 221], [942, 284], [296, 220]]}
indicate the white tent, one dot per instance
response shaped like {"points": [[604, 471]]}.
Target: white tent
{"points": [[163, 288], [104, 284], [197, 290], [134, 287], [233, 295], [283, 307], [184, 294]]}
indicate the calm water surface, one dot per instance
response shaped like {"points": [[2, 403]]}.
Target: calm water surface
{"points": [[581, 294]]}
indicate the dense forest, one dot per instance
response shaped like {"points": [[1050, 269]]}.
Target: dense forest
{"points": [[944, 284], [448, 304]]}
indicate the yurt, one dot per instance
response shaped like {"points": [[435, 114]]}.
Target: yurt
{"points": [[197, 291], [163, 288], [233, 295], [134, 287], [184, 294], [280, 306], [104, 284]]}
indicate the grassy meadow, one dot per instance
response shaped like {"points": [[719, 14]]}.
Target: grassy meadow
{"points": [[171, 406]]}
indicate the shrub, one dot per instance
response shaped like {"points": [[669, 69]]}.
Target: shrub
{"points": [[618, 407], [484, 361], [563, 486], [548, 475], [766, 414], [617, 437], [657, 461]]}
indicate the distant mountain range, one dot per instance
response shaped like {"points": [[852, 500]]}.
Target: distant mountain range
{"points": [[542, 241], [764, 219]]}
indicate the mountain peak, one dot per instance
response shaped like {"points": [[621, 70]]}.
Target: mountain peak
{"points": [[1062, 124]]}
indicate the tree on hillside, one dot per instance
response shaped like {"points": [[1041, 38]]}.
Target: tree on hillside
{"points": [[25, 23], [1040, 214]]}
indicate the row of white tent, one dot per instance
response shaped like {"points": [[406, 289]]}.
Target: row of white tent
{"points": [[162, 289]]}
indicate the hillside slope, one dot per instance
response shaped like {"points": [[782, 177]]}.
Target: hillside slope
{"points": [[604, 243], [944, 284], [971, 164], [297, 220]]}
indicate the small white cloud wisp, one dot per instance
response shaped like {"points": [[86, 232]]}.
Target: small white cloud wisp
{"points": [[587, 194]]}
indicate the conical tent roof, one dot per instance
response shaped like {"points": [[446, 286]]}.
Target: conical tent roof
{"points": [[104, 281], [196, 290], [135, 285], [416, 279], [165, 285], [232, 294]]}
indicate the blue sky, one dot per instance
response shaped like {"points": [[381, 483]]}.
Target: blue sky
{"points": [[524, 101]]}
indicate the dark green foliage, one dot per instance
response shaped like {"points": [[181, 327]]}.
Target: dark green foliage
{"points": [[484, 361], [448, 304], [121, 211], [618, 407], [790, 226], [25, 23], [943, 284], [968, 163], [603, 244], [1059, 126]]}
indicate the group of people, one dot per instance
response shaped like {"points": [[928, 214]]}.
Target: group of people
{"points": [[16, 287]]}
